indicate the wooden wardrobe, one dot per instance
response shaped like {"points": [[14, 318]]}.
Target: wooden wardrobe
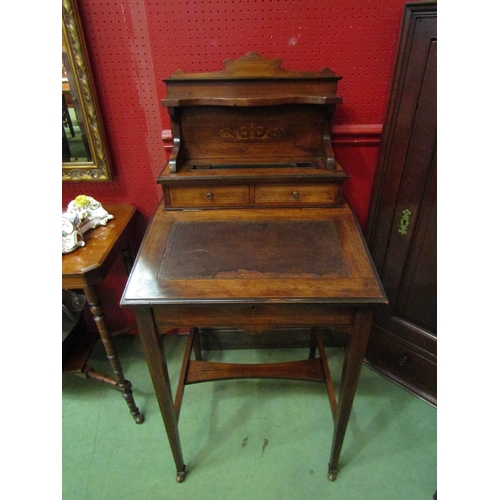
{"points": [[401, 229]]}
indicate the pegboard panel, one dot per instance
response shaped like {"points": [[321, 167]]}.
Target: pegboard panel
{"points": [[135, 44], [355, 39]]}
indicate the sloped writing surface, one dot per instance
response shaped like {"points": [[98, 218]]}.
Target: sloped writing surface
{"points": [[246, 249]]}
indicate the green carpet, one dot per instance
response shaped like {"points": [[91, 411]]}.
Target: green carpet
{"points": [[389, 451]]}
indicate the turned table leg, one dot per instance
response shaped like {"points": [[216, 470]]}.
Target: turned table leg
{"points": [[353, 361], [123, 385], [155, 357]]}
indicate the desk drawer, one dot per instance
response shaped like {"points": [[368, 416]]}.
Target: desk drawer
{"points": [[207, 196], [297, 194], [403, 365], [253, 317]]}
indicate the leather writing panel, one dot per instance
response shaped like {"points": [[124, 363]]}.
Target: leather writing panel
{"points": [[234, 249]]}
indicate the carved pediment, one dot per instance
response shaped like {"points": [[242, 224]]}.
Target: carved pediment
{"points": [[254, 65]]}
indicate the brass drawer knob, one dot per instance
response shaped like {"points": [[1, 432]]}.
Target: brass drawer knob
{"points": [[295, 194], [210, 195], [403, 360]]}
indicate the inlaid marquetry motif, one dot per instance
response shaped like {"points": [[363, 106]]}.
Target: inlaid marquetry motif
{"points": [[252, 131]]}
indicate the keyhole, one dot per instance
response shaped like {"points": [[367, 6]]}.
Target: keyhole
{"points": [[404, 222]]}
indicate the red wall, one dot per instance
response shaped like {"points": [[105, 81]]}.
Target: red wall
{"points": [[134, 44]]}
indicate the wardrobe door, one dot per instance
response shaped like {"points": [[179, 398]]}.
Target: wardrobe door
{"points": [[401, 230]]}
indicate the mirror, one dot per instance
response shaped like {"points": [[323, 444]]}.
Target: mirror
{"points": [[85, 156]]}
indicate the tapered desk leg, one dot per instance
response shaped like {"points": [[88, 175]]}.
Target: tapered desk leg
{"points": [[157, 364], [353, 361], [123, 385]]}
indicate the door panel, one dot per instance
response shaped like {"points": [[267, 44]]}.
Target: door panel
{"points": [[401, 230]]}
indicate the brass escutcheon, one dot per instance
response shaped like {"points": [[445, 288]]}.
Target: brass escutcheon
{"points": [[404, 222]]}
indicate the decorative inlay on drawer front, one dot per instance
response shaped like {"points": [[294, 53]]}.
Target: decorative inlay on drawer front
{"points": [[186, 196], [296, 193]]}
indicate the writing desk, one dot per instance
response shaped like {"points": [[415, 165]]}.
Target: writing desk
{"points": [[253, 232], [293, 267]]}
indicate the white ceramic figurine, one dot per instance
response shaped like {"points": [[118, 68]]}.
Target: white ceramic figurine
{"points": [[83, 213]]}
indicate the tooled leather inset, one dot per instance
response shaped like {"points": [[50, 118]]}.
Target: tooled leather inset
{"points": [[242, 250]]}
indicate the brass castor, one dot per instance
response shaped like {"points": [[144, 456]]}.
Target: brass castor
{"points": [[332, 475], [139, 419], [181, 475]]}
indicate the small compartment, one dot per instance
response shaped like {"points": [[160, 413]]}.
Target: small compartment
{"points": [[403, 365], [225, 166], [297, 193], [207, 196]]}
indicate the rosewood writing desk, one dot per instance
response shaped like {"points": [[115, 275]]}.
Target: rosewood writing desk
{"points": [[84, 269], [253, 233]]}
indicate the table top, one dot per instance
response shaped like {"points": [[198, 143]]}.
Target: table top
{"points": [[253, 255], [89, 264]]}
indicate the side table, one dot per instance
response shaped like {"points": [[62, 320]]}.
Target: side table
{"points": [[84, 269]]}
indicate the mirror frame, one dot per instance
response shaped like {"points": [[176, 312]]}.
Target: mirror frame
{"points": [[99, 169]]}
